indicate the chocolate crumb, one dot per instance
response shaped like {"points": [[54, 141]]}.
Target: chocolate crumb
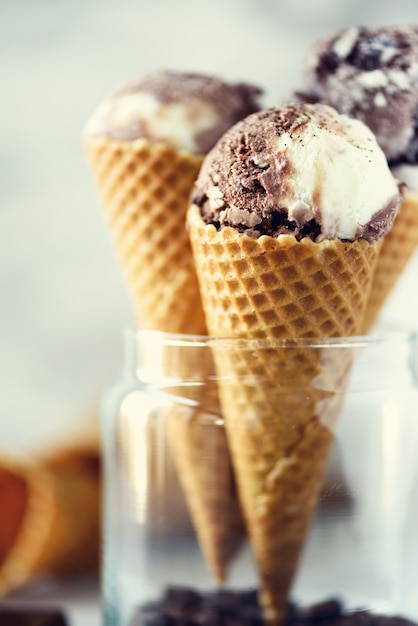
{"points": [[25, 615], [182, 606]]}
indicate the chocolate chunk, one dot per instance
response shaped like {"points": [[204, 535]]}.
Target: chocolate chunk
{"points": [[324, 610], [181, 598], [327, 613], [182, 606], [30, 616]]}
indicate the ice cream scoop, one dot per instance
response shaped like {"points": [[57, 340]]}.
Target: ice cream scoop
{"points": [[371, 74], [302, 170], [187, 111]]}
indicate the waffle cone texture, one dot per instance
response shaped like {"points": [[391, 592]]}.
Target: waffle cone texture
{"points": [[279, 405], [397, 248], [144, 189]]}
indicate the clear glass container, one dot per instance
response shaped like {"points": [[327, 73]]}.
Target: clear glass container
{"points": [[266, 469]]}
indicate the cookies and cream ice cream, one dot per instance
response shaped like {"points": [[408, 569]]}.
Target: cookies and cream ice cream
{"points": [[371, 74], [303, 170], [187, 111]]}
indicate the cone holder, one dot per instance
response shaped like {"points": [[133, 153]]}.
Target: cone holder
{"points": [[280, 468]]}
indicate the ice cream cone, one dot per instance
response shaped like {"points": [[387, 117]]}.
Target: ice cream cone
{"points": [[279, 405], [397, 248], [50, 523], [145, 145], [194, 436], [144, 188], [203, 464]]}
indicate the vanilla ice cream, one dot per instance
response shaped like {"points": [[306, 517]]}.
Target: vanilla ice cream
{"points": [[187, 111], [302, 169]]}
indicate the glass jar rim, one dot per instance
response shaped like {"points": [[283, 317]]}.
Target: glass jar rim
{"points": [[355, 341]]}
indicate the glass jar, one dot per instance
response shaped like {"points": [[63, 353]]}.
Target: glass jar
{"points": [[243, 474]]}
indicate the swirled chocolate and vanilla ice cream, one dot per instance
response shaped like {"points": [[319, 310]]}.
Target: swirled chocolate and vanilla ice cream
{"points": [[187, 111], [285, 222], [302, 170], [371, 74]]}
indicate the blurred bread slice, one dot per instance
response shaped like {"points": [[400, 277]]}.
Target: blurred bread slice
{"points": [[50, 521]]}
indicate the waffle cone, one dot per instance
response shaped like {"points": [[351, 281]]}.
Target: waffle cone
{"points": [[144, 189], [49, 523], [203, 464], [397, 248], [197, 442], [279, 404]]}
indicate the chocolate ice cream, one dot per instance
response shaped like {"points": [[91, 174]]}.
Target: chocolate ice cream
{"points": [[303, 170], [187, 111], [371, 74]]}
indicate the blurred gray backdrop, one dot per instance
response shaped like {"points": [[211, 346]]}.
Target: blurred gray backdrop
{"points": [[63, 301]]}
